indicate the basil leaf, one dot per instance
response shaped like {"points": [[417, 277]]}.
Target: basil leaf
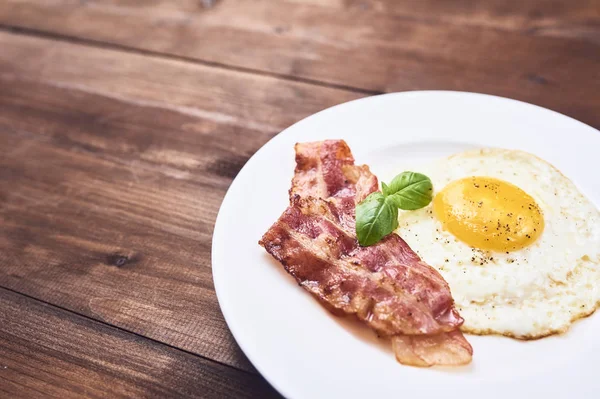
{"points": [[410, 190], [385, 189], [376, 217]]}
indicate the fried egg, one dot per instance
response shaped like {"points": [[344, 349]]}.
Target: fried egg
{"points": [[516, 241]]}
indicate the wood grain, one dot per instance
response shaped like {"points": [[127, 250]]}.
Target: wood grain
{"points": [[556, 18], [112, 171], [542, 51], [49, 352], [122, 123]]}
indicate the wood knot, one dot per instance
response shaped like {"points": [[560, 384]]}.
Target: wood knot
{"points": [[208, 3], [228, 166], [121, 260], [537, 79], [281, 29]]}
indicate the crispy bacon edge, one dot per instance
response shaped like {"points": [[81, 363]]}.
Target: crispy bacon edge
{"points": [[326, 170]]}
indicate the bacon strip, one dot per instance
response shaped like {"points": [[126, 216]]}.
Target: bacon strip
{"points": [[386, 285], [326, 169], [448, 349]]}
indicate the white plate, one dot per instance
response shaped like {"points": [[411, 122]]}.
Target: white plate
{"points": [[306, 353]]}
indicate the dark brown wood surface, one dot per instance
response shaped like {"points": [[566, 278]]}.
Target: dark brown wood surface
{"points": [[122, 123], [529, 50], [48, 351]]}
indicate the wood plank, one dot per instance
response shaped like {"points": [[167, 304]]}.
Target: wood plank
{"points": [[577, 18], [541, 51], [48, 352], [113, 169]]}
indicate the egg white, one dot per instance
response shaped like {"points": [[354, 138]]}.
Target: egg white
{"points": [[529, 293]]}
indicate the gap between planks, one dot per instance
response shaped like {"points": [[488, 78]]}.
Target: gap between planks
{"points": [[93, 320], [149, 53]]}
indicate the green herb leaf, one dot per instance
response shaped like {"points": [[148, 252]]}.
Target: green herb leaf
{"points": [[376, 217], [385, 189], [410, 190]]}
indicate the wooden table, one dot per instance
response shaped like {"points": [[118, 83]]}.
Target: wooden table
{"points": [[122, 123]]}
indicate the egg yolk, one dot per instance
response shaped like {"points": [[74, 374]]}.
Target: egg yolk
{"points": [[488, 213]]}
